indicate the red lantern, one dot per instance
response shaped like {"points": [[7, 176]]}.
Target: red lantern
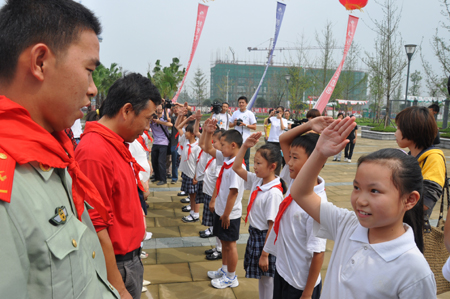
{"points": [[354, 4]]}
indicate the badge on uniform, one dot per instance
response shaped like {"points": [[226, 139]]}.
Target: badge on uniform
{"points": [[60, 217]]}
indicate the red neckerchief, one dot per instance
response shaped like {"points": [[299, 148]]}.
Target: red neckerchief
{"points": [[199, 156], [25, 141], [149, 137], [142, 142], [209, 162], [119, 145], [255, 193], [177, 134], [283, 206], [219, 179]]}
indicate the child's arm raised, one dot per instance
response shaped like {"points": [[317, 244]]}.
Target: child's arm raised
{"points": [[198, 117], [332, 140], [209, 127], [317, 124], [251, 141], [183, 123]]}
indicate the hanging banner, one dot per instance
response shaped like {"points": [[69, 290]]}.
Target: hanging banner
{"points": [[201, 17], [281, 7], [326, 94]]}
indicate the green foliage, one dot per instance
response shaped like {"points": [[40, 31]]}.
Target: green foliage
{"points": [[207, 103], [261, 102], [166, 79], [105, 77], [383, 129], [415, 83], [199, 86]]}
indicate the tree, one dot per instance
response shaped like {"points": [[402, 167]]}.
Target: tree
{"points": [[261, 102], [199, 86], [166, 79], [276, 88], [415, 83], [326, 43], [387, 62], [207, 103], [103, 78], [299, 82]]}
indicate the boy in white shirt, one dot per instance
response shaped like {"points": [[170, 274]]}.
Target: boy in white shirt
{"points": [[299, 253], [226, 203], [243, 121]]}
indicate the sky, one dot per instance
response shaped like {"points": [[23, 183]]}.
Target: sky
{"points": [[136, 33]]}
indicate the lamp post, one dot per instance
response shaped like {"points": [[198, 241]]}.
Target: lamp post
{"points": [[287, 77], [410, 49], [228, 72]]}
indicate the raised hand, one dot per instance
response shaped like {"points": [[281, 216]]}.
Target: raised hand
{"points": [[192, 117], [210, 125], [252, 140], [319, 124], [198, 115], [334, 137]]}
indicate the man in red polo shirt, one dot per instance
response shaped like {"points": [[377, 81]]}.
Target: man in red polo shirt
{"points": [[104, 157]]}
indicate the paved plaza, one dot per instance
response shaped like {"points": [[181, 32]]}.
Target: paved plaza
{"points": [[176, 265]]}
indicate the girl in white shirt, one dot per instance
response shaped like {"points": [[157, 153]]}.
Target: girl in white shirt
{"points": [[266, 195], [377, 251]]}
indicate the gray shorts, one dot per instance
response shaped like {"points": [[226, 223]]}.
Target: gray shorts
{"points": [[132, 272]]}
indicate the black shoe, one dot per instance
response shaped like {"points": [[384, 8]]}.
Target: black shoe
{"points": [[185, 200], [169, 175], [186, 209], [173, 182], [181, 193], [161, 183], [189, 218], [152, 177], [214, 256], [210, 251], [204, 236]]}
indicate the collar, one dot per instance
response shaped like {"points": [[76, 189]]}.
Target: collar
{"points": [[390, 250], [228, 162], [266, 187], [45, 174], [320, 187]]}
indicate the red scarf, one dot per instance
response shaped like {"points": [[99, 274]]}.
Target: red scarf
{"points": [[255, 193], [119, 145], [209, 162], [141, 140], [199, 156], [189, 151], [25, 141], [149, 137], [283, 206], [219, 179]]}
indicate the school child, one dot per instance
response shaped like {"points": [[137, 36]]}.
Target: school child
{"points": [[299, 253], [266, 196], [226, 203], [189, 157], [417, 130], [202, 159], [377, 251], [338, 156]]}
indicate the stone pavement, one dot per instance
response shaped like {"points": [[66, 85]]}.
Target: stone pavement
{"points": [[176, 265]]}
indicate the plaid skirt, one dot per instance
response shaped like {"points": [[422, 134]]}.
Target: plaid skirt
{"points": [[199, 198], [207, 215], [253, 251], [187, 185]]}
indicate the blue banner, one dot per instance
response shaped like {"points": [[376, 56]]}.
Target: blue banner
{"points": [[281, 7]]}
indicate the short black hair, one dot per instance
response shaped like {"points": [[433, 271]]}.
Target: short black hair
{"points": [[233, 136], [340, 114], [133, 88], [313, 113], [435, 107], [306, 141], [282, 108], [190, 128], [418, 125], [56, 23], [225, 103], [243, 98]]}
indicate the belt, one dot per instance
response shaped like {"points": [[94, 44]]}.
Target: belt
{"points": [[128, 256]]}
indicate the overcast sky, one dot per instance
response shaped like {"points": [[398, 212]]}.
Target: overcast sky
{"points": [[138, 32]]}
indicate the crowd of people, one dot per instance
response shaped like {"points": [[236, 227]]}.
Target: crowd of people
{"points": [[72, 206]]}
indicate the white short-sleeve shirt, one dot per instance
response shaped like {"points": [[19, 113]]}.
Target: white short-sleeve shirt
{"points": [[202, 159], [296, 243], [248, 118], [140, 155], [266, 204], [358, 269], [210, 179], [223, 120], [230, 180], [188, 165], [446, 269], [275, 129]]}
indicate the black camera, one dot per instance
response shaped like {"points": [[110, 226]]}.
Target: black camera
{"points": [[216, 108], [154, 116], [299, 122], [239, 122], [167, 104]]}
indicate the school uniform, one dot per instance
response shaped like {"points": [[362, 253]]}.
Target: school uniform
{"points": [[202, 159], [189, 156], [263, 208], [209, 183], [357, 269], [228, 180], [295, 246]]}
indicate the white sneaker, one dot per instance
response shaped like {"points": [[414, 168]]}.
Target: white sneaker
{"points": [[225, 282], [144, 289], [148, 236], [216, 274], [349, 161], [346, 159], [146, 283], [334, 159]]}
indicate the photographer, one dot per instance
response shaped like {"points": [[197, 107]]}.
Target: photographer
{"points": [[277, 127], [160, 146], [223, 117], [243, 121]]}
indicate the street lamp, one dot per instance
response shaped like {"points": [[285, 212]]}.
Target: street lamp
{"points": [[410, 49], [287, 77]]}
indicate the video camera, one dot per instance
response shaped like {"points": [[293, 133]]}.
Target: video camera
{"points": [[166, 103], [216, 108], [299, 122]]}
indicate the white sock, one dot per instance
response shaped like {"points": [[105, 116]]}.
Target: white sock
{"points": [[265, 287], [196, 215], [191, 213], [225, 268], [211, 229], [231, 275], [218, 245]]}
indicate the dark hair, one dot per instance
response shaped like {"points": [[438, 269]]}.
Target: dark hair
{"points": [[313, 113], [56, 23], [270, 110], [406, 177], [243, 98], [219, 132], [340, 114], [306, 141], [92, 116], [272, 154], [133, 88], [418, 125], [435, 107], [190, 128], [233, 136], [225, 103], [282, 108]]}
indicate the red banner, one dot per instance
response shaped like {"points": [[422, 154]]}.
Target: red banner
{"points": [[326, 94], [201, 17]]}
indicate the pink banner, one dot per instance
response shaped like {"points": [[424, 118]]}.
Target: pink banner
{"points": [[326, 94], [201, 17]]}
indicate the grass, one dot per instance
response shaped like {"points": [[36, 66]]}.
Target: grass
{"points": [[381, 128], [445, 135]]}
